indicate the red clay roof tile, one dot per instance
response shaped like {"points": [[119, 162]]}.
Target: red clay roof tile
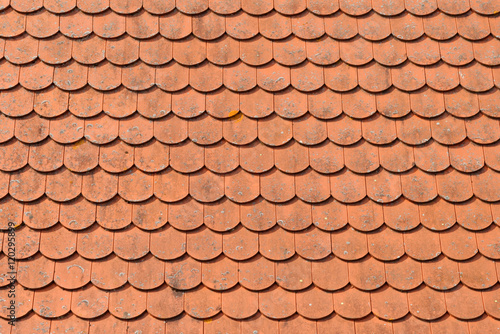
{"points": [[429, 141]]}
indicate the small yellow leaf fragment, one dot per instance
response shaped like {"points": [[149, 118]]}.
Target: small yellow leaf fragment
{"points": [[78, 143], [235, 115]]}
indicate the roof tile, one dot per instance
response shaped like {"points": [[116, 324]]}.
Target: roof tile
{"points": [[294, 215], [440, 26], [379, 129], [362, 157], [307, 25], [441, 273], [131, 236], [77, 214], [489, 301], [442, 77], [314, 303], [312, 187], [167, 236], [183, 273], [334, 277], [483, 7], [407, 26], [240, 244], [359, 103], [220, 273], [14, 24], [26, 6], [142, 24], [241, 186], [16, 102], [242, 26], [222, 215], [258, 215], [32, 322], [36, 272], [356, 51], [473, 26], [51, 301], [478, 273], [72, 272], [427, 303], [21, 50], [114, 214], [404, 274], [58, 7], [484, 185], [438, 214], [108, 24], [128, 8], [352, 303], [12, 211], [471, 308], [482, 130], [414, 130], [27, 185], [276, 186], [428, 101], [422, 244], [205, 307], [256, 273], [41, 214], [146, 273], [146, 321], [349, 244], [29, 239], [277, 244], [389, 304], [46, 156], [367, 273], [89, 50], [186, 214], [156, 299], [374, 27], [329, 215], [424, 51], [42, 24], [17, 153], [63, 185], [277, 303], [313, 243], [153, 156], [71, 76], [89, 302], [450, 181], [385, 244]]}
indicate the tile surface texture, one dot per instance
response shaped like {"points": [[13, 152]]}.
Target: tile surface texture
{"points": [[251, 166]]}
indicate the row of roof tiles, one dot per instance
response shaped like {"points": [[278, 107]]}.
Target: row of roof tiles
{"points": [[274, 26], [223, 7], [257, 215], [295, 324], [223, 157], [273, 77], [275, 303], [205, 186], [255, 273], [273, 132], [323, 104], [257, 51], [275, 244]]}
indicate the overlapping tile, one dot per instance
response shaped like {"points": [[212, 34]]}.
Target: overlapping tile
{"points": [[334, 164]]}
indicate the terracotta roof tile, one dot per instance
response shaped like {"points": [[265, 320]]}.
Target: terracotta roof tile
{"points": [[354, 142]]}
